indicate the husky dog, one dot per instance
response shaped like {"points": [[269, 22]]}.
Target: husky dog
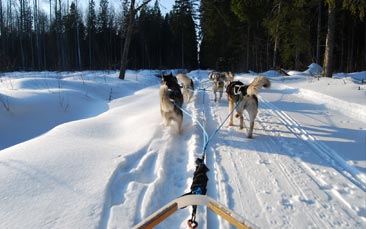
{"points": [[229, 77], [225, 76], [246, 96], [171, 99], [220, 81], [218, 84], [187, 86]]}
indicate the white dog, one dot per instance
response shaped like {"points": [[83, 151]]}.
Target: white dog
{"points": [[218, 83], [187, 86], [246, 96]]}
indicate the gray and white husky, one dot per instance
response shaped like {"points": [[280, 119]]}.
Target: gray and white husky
{"points": [[218, 84], [187, 86], [246, 96], [171, 100], [220, 80]]}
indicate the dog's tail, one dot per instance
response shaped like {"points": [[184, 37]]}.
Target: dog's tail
{"points": [[184, 79], [166, 103], [257, 84]]}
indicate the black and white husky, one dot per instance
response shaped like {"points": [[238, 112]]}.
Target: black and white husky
{"points": [[246, 96], [187, 86], [171, 100]]}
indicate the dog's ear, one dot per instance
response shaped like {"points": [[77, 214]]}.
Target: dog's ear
{"points": [[163, 78]]}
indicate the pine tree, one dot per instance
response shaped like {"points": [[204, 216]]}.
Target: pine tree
{"points": [[78, 23], [184, 33], [91, 28], [221, 36], [102, 33], [358, 9], [250, 12]]}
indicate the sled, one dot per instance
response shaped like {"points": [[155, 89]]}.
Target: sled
{"points": [[189, 200]]}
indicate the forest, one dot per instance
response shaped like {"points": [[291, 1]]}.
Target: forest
{"points": [[236, 35]]}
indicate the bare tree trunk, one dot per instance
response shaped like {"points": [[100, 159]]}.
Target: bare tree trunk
{"points": [[44, 51], [2, 39], [297, 64], [275, 53], [276, 40], [36, 28], [77, 35], [58, 43], [248, 45], [126, 46], [9, 43], [318, 37], [90, 46], [342, 36], [267, 52], [351, 49], [21, 33], [32, 49], [1, 18], [182, 50], [61, 36], [328, 56]]}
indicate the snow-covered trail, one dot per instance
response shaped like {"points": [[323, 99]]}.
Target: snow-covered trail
{"points": [[285, 177], [156, 175], [117, 164]]}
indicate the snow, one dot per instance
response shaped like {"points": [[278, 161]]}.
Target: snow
{"points": [[87, 150]]}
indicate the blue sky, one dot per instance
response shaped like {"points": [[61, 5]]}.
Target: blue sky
{"points": [[165, 5]]}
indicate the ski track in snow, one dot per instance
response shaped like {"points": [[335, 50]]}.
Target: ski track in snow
{"points": [[286, 193], [302, 187], [285, 177], [323, 150], [154, 175], [331, 160]]}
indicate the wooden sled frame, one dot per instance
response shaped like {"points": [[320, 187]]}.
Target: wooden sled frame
{"points": [[189, 200]]}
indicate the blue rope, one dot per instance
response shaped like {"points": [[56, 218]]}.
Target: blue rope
{"points": [[205, 134], [218, 128], [206, 138]]}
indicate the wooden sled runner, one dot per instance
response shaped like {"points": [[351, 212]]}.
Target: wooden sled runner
{"points": [[189, 200]]}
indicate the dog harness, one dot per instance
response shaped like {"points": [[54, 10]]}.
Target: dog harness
{"points": [[198, 187], [237, 90]]}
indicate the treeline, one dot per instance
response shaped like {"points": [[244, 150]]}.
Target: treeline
{"points": [[259, 35], [237, 35], [66, 38]]}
